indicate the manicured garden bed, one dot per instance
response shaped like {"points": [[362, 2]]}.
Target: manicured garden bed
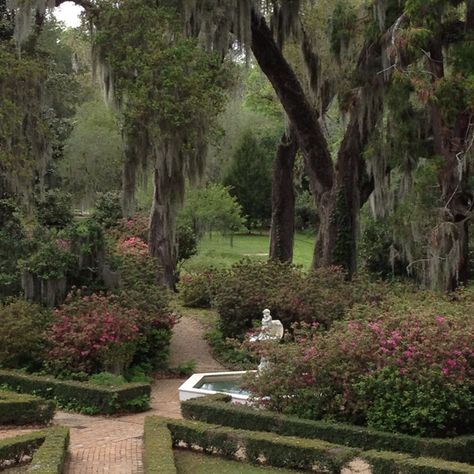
{"points": [[218, 409], [80, 396], [276, 450], [21, 409], [47, 447]]}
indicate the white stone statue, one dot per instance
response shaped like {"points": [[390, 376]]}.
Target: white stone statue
{"points": [[271, 330]]}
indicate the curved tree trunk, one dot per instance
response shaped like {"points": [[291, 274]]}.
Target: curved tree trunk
{"points": [[338, 191], [283, 200]]}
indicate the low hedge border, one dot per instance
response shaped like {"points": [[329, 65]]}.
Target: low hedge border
{"points": [[21, 409], [158, 455], [218, 409], [289, 451], [278, 451], [47, 447], [81, 396]]}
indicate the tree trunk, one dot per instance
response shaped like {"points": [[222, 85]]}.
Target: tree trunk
{"points": [[283, 200], [301, 114], [162, 230]]}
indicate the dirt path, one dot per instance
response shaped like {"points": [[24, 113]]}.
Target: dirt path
{"points": [[188, 344]]}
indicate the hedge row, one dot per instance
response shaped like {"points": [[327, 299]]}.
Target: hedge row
{"points": [[48, 448], [217, 409], [158, 457], [80, 396], [278, 451], [292, 452], [385, 462], [20, 409]]}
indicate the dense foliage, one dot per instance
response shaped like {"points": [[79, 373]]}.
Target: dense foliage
{"points": [[405, 365]]}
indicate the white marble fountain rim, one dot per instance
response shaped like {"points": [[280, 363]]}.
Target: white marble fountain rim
{"points": [[188, 389]]}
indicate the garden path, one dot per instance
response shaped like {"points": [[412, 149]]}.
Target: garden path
{"points": [[101, 445]]}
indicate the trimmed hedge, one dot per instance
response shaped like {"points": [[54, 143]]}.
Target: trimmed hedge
{"points": [[384, 462], [20, 409], [51, 456], [217, 409], [158, 457], [278, 451], [48, 448], [80, 396]]}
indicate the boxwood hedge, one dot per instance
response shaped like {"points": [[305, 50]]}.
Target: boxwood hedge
{"points": [[217, 409], [81, 396], [158, 456], [21, 409], [48, 448]]}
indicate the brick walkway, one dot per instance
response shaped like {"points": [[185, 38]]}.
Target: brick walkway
{"points": [[114, 445]]}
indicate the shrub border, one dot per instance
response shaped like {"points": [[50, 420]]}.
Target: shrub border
{"points": [[284, 451], [48, 447], [81, 396], [21, 409], [158, 455], [218, 409]]}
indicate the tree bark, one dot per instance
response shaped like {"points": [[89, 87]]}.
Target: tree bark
{"points": [[283, 200], [162, 231]]}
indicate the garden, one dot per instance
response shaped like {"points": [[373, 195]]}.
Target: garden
{"points": [[170, 171]]}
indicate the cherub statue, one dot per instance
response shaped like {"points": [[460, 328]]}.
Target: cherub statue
{"points": [[271, 330]]}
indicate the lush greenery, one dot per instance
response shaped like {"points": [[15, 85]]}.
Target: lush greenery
{"points": [[47, 448], [84, 397], [20, 409], [402, 365], [217, 409]]}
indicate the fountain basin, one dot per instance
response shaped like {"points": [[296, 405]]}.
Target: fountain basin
{"points": [[200, 385]]}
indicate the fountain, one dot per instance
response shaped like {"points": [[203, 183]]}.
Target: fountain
{"points": [[230, 383]]}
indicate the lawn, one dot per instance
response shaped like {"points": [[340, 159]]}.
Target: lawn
{"points": [[216, 250], [188, 462]]}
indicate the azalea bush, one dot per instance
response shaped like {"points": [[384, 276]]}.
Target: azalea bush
{"points": [[407, 368], [92, 334]]}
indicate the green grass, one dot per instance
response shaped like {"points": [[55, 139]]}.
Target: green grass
{"points": [[217, 251], [188, 462]]}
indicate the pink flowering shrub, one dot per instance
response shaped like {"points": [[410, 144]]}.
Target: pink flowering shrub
{"points": [[132, 246], [92, 334], [409, 371]]}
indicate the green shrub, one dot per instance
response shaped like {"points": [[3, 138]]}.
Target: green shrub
{"points": [[187, 242], [158, 447], [47, 447], [108, 209], [106, 379], [54, 209], [23, 329], [293, 295], [51, 456], [217, 409], [21, 409], [278, 451], [81, 396], [196, 289]]}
